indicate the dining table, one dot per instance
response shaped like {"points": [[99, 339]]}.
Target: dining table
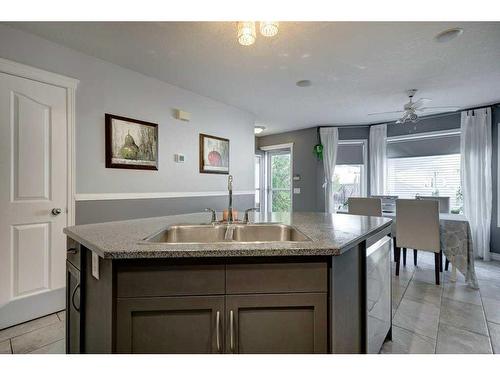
{"points": [[456, 244]]}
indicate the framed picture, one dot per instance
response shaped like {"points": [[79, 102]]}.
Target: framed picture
{"points": [[214, 154], [131, 144]]}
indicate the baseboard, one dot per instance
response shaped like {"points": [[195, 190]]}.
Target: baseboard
{"points": [[23, 310], [494, 256]]}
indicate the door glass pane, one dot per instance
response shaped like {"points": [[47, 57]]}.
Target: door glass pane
{"points": [[280, 171], [258, 161], [347, 183], [281, 201]]}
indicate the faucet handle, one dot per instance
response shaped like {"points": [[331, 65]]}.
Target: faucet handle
{"points": [[214, 214], [247, 211]]}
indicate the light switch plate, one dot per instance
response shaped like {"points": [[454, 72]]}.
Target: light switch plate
{"points": [[296, 190], [179, 158], [95, 265]]}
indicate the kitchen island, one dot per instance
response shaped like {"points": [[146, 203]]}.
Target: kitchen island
{"points": [[139, 286]]}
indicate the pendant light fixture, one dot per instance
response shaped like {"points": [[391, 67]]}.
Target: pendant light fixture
{"points": [[269, 28], [246, 33]]}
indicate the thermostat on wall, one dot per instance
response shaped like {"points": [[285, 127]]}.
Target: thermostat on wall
{"points": [[182, 115], [179, 158]]}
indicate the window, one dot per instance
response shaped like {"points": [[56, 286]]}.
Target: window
{"points": [[350, 172], [427, 164]]}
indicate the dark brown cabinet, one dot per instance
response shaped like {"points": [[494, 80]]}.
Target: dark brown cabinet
{"points": [[73, 316], [276, 323], [170, 325]]}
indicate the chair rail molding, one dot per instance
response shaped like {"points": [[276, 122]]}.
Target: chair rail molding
{"points": [[156, 195]]}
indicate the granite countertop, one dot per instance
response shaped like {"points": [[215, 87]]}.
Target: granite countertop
{"points": [[331, 235]]}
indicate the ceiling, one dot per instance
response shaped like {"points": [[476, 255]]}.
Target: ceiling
{"points": [[356, 68]]}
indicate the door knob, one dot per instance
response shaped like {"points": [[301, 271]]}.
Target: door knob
{"points": [[56, 211]]}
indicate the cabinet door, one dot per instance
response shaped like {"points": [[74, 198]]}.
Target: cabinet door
{"points": [[73, 305], [276, 323], [170, 325]]}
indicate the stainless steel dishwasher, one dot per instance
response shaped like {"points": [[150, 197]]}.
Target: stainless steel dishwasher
{"points": [[378, 293]]}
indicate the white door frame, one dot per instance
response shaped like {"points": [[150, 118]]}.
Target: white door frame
{"points": [[69, 84], [275, 148]]}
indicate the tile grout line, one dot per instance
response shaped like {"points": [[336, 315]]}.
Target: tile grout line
{"points": [[485, 319], [439, 317]]}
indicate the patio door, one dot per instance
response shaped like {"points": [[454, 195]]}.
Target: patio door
{"points": [[278, 178]]}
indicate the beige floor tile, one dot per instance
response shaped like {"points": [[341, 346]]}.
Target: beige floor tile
{"points": [[424, 292], [427, 275], [32, 325], [406, 342], [461, 292], [490, 289], [5, 347], [463, 315], [452, 340], [418, 317], [36, 339], [495, 336], [492, 310], [57, 347]]}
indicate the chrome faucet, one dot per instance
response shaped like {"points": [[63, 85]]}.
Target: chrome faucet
{"points": [[214, 215], [230, 207], [246, 220]]}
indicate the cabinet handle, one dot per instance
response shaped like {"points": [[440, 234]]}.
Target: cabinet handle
{"points": [[73, 298], [217, 330], [231, 331]]}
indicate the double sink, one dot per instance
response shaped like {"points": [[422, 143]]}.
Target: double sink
{"points": [[224, 233]]}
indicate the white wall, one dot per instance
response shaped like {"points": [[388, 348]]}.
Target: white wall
{"points": [[108, 88]]}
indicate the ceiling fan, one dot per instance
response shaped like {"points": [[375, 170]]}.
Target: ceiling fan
{"points": [[411, 109]]}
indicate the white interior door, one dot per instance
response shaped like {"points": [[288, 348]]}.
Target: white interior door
{"points": [[33, 182]]}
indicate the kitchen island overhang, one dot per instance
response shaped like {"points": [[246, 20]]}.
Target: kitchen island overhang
{"points": [[241, 296]]}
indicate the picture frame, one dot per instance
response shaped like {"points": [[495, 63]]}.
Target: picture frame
{"points": [[131, 143], [214, 154]]}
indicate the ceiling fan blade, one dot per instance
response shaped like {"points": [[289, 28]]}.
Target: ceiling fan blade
{"points": [[420, 102], [384, 113], [448, 108]]}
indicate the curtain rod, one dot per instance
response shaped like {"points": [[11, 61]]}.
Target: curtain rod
{"points": [[423, 117]]}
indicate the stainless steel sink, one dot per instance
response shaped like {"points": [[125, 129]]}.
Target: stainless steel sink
{"points": [[190, 234], [267, 233], [224, 233]]}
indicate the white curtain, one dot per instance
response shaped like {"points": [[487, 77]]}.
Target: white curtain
{"points": [[329, 140], [475, 149], [378, 159]]}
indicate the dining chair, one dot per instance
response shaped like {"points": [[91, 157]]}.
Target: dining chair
{"points": [[365, 206], [444, 202], [417, 228]]}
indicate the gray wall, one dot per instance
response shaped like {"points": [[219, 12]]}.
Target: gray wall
{"points": [[312, 196], [108, 88], [110, 210]]}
